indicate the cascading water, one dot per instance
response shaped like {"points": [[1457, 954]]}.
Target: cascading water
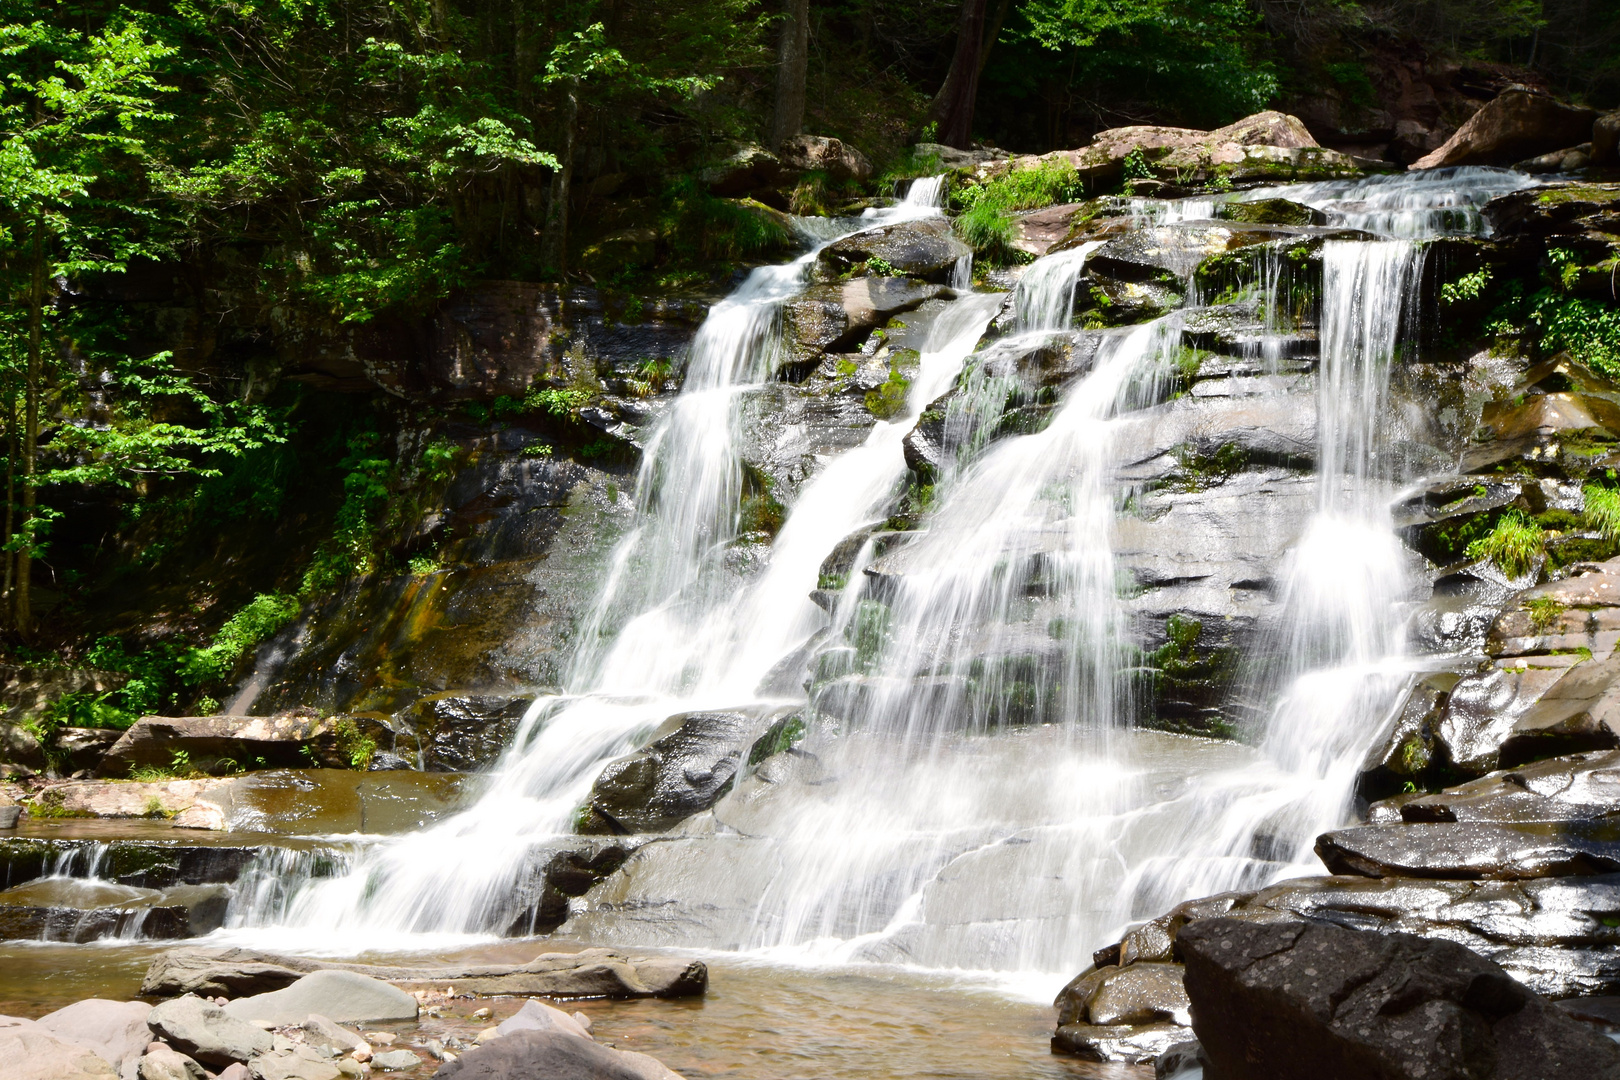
{"points": [[969, 794], [674, 630]]}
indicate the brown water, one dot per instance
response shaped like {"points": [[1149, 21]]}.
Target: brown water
{"points": [[758, 1021]]}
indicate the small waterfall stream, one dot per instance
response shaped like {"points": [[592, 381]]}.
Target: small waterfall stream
{"points": [[971, 793]]}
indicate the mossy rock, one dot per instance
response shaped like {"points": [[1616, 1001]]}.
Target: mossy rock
{"points": [[1270, 212]]}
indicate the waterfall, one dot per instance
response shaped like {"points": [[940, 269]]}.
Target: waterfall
{"points": [[695, 635], [970, 792]]}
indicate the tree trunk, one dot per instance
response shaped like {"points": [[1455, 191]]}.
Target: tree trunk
{"points": [[792, 66], [992, 32], [11, 489], [36, 318], [953, 105], [554, 239]]}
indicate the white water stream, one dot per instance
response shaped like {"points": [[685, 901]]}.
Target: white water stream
{"points": [[970, 794]]}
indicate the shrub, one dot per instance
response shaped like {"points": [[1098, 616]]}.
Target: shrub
{"points": [[986, 220], [1512, 545]]}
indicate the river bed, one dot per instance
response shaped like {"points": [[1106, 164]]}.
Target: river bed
{"points": [[759, 1020]]}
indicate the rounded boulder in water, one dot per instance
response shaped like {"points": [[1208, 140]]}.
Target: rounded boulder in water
{"points": [[344, 997], [554, 1055]]}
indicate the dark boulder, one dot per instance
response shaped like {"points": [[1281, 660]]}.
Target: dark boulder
{"points": [[1468, 850], [687, 767], [921, 249], [1316, 1002], [462, 732], [1517, 124]]}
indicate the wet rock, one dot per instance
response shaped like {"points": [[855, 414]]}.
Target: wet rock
{"points": [[817, 153], [1132, 1045], [1517, 124], [1482, 709], [922, 249], [556, 873], [1575, 788], [77, 910], [1578, 612], [1141, 993], [1552, 934], [834, 318], [1408, 752], [207, 1032], [1471, 850], [146, 864], [162, 1063], [554, 1055], [1182, 1061], [1274, 1002], [686, 768], [1270, 212], [115, 1030], [277, 741], [1581, 711], [461, 732], [341, 996]]}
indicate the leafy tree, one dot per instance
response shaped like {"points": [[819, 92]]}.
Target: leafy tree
{"points": [[75, 109]]}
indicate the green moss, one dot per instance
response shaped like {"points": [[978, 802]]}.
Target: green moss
{"points": [[1544, 612], [889, 399], [780, 737]]}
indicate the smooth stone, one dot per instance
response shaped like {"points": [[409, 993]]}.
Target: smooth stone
{"points": [[1310, 1001], [9, 816], [207, 1032], [395, 1060], [341, 996], [1469, 850], [29, 1052], [1127, 1043], [162, 1063], [116, 1030], [294, 1063], [237, 1071], [524, 1055], [538, 1016], [1140, 994], [686, 768], [321, 1032]]}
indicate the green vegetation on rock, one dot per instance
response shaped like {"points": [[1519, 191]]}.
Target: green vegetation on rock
{"points": [[1513, 545]]}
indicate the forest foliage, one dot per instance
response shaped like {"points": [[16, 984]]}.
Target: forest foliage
{"points": [[338, 162]]}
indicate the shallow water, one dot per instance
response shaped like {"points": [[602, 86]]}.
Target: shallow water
{"points": [[757, 1021]]}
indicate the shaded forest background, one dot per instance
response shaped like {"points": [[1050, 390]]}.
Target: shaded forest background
{"points": [[308, 165]]}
